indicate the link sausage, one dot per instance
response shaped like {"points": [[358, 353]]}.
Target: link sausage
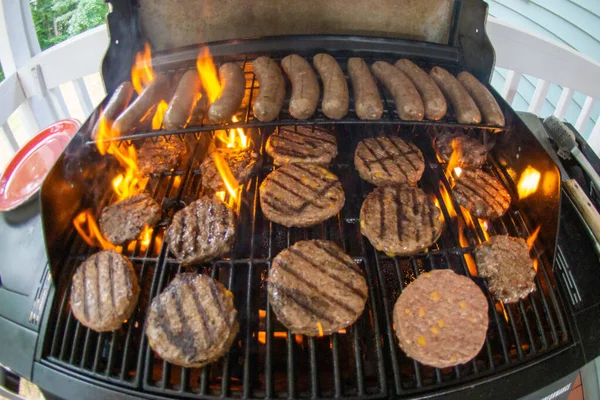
{"points": [[433, 99], [490, 110], [464, 107], [183, 101], [272, 89], [118, 102], [367, 102], [305, 87], [142, 109], [408, 101], [233, 86], [335, 88]]}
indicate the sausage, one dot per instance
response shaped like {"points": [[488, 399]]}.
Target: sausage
{"points": [[335, 88], [408, 101], [490, 110], [142, 109], [433, 99], [305, 87], [272, 89], [464, 107], [367, 102], [116, 104], [233, 86], [183, 101]]}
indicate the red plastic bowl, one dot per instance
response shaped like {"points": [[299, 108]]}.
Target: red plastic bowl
{"points": [[26, 171]]}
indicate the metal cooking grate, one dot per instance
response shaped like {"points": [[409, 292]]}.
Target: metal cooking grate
{"points": [[266, 360]]}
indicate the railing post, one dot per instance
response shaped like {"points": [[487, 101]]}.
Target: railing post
{"points": [[541, 91], [584, 115], [563, 103], [511, 85]]}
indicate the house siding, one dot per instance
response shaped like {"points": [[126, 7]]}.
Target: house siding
{"points": [[575, 23]]}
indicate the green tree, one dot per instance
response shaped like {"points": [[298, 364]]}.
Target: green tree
{"points": [[57, 20], [1, 74]]}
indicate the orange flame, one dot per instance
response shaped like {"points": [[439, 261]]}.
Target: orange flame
{"points": [[484, 224], [529, 182], [159, 115], [92, 235], [531, 239], [299, 339], [142, 73], [208, 74], [503, 309], [233, 137], [464, 243], [454, 157], [320, 329], [225, 172], [447, 201], [535, 264]]}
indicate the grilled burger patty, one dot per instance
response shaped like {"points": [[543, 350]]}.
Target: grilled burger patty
{"points": [[160, 156], [125, 220], [203, 230], [314, 282], [505, 262], [471, 153], [386, 160], [193, 321], [441, 319], [301, 195], [400, 219], [481, 194], [243, 164], [104, 291], [301, 144]]}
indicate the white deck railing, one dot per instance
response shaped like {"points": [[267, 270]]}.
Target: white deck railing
{"points": [[519, 51]]}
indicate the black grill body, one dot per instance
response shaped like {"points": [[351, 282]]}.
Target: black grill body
{"points": [[529, 344]]}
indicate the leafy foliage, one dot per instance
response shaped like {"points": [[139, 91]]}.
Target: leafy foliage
{"points": [[1, 74], [57, 20]]}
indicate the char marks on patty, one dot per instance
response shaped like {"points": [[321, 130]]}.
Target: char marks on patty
{"points": [[124, 220], [481, 194], [301, 144], [387, 160], [193, 321], [301, 195], [315, 283], [400, 219]]}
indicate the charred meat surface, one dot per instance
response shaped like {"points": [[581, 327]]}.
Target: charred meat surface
{"points": [[301, 144], [481, 194], [400, 219], [469, 152], [125, 220], [160, 156], [387, 160], [505, 262], [104, 291], [192, 322], [441, 319], [243, 164], [203, 230], [315, 288], [301, 195]]}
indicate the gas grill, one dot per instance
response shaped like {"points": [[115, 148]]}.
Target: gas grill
{"points": [[529, 344]]}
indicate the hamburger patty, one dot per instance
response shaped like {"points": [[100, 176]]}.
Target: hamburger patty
{"points": [[301, 144], [125, 220], [203, 230], [160, 156], [104, 291], [193, 321], [400, 219], [470, 152], [481, 194], [386, 160], [243, 164], [441, 319], [301, 195], [315, 283], [505, 262]]}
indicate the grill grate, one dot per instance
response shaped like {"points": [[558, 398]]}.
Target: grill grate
{"points": [[268, 361]]}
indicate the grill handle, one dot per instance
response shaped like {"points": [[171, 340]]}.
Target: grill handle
{"points": [[585, 206]]}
